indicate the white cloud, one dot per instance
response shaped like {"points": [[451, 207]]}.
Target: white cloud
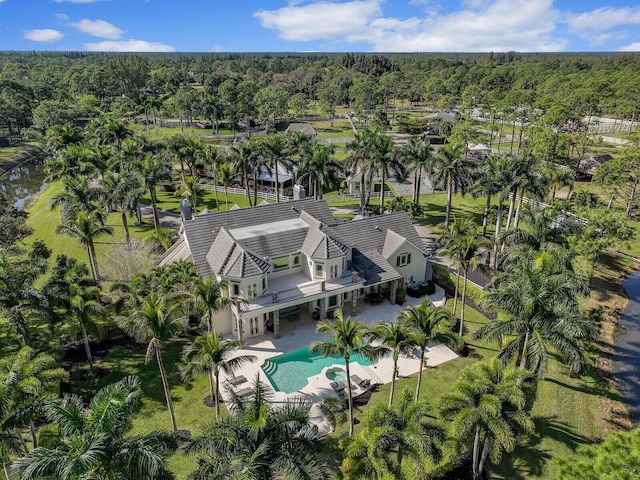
{"points": [[98, 28], [634, 47], [320, 20], [602, 19], [128, 46], [496, 25], [45, 35]]}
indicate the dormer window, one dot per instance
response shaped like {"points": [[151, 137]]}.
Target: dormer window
{"points": [[281, 263], [319, 269]]}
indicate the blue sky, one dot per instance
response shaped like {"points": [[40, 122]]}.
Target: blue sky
{"points": [[320, 25]]}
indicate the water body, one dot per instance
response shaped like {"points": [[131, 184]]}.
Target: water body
{"points": [[627, 356], [22, 183]]}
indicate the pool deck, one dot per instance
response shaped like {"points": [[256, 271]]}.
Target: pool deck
{"points": [[302, 332]]}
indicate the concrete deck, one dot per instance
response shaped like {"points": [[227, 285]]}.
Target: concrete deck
{"points": [[301, 332]]}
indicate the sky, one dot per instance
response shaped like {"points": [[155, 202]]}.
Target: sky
{"points": [[320, 25]]}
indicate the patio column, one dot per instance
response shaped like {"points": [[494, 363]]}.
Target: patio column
{"points": [[323, 309], [240, 327], [354, 303], [276, 324], [392, 292]]}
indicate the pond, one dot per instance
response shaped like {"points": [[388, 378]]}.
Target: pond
{"points": [[23, 182], [627, 356]]}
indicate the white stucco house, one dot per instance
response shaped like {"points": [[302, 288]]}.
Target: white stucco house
{"points": [[286, 257]]}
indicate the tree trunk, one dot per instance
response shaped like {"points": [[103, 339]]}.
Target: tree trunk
{"points": [[93, 260], [420, 374], [512, 204], [125, 224], [610, 202], [226, 198], [167, 392], [483, 458], [215, 186], [464, 294], [476, 453], [6, 471], [497, 235], [485, 215], [393, 379], [455, 294], [632, 196], [382, 192], [154, 208], [523, 358], [215, 398], [277, 182], [362, 202], [449, 198], [349, 396], [34, 437], [87, 348], [418, 183], [516, 219]]}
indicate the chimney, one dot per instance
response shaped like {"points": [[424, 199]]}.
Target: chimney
{"points": [[298, 192], [185, 209], [354, 277], [323, 286], [274, 297]]}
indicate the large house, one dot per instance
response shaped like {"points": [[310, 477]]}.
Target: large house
{"points": [[286, 257]]}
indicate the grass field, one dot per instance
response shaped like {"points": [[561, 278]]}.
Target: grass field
{"points": [[9, 153]]}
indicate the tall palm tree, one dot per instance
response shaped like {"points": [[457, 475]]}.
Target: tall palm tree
{"points": [[347, 338], [395, 338], [79, 193], [190, 189], [247, 160], [69, 162], [208, 295], [155, 170], [384, 161], [11, 443], [537, 297], [30, 378], [429, 325], [213, 159], [184, 149], [84, 227], [59, 137], [362, 151], [390, 435], [488, 184], [125, 190], [276, 152], [451, 240], [93, 441], [419, 155], [258, 441], [207, 356], [455, 171], [110, 130], [155, 323], [487, 404], [83, 309], [320, 169], [226, 174]]}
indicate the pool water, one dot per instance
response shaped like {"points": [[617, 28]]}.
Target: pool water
{"points": [[289, 372], [336, 374]]}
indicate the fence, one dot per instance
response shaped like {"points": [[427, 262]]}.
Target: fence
{"points": [[540, 205], [243, 192]]}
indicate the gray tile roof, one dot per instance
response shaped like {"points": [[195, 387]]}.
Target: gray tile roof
{"points": [[373, 267], [202, 230], [245, 264], [275, 244], [391, 243], [319, 245]]}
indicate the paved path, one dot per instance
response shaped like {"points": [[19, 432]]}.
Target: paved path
{"points": [[167, 219]]}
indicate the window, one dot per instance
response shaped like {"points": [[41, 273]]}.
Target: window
{"points": [[403, 259], [319, 269], [333, 271], [253, 326], [264, 284], [281, 263], [333, 301], [296, 260], [236, 289], [252, 291]]}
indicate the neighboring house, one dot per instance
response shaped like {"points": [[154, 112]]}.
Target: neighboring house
{"points": [[305, 128], [588, 166], [285, 257]]}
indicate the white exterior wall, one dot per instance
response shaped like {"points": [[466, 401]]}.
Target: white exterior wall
{"points": [[416, 269], [223, 322]]}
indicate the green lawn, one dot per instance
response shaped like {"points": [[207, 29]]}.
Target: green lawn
{"points": [[9, 153]]}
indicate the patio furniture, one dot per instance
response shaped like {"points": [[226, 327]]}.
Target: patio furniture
{"points": [[338, 387], [357, 380], [235, 381], [244, 392]]}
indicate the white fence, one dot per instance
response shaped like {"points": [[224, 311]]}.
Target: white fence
{"points": [[243, 192]]}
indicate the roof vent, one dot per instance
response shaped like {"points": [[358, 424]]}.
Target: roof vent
{"points": [[378, 228], [295, 209]]}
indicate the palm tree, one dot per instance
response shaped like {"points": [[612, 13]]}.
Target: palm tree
{"points": [[110, 130], [395, 338], [93, 441], [155, 171], [78, 194], [59, 137], [384, 161], [347, 338], [30, 379], [489, 184], [125, 190], [69, 162], [405, 430], [276, 151], [246, 159], [11, 443], [84, 227], [455, 171], [258, 441], [320, 169], [190, 189], [155, 323], [207, 356], [358, 161], [83, 308], [419, 154], [208, 296], [213, 160], [537, 297], [487, 404], [226, 174], [429, 325], [184, 149]]}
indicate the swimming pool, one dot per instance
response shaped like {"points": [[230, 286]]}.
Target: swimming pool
{"points": [[289, 372]]}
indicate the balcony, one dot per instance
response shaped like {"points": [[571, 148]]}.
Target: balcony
{"points": [[298, 286]]}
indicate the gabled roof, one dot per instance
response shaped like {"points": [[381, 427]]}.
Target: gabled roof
{"points": [[320, 246], [202, 231], [373, 267], [392, 242], [306, 128], [244, 264]]}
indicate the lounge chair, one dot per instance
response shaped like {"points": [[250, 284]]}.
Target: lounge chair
{"points": [[235, 381], [244, 392], [357, 380], [337, 386]]}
